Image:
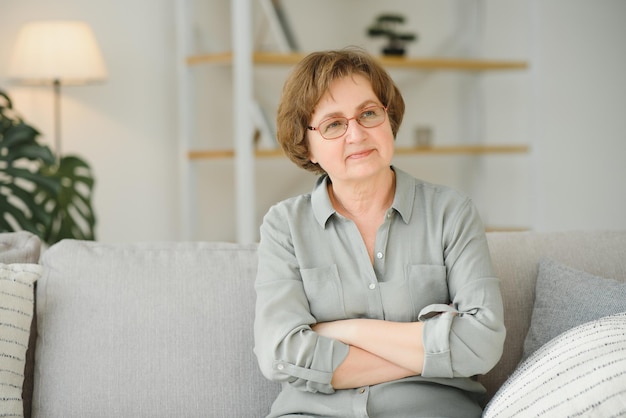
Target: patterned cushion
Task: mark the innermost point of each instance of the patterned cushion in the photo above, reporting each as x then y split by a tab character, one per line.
582	372
16	313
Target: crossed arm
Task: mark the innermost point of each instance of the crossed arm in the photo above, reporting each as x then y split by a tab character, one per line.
380	351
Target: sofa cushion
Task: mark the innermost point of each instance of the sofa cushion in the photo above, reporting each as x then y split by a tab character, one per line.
566	297
516	256
16	314
582	372
148	330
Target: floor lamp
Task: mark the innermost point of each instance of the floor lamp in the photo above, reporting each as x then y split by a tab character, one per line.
57	53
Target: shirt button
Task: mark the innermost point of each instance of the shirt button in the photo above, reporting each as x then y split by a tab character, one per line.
280	367
362	390
379	255
372	286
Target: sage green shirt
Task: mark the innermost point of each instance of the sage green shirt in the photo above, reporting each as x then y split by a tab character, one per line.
431	263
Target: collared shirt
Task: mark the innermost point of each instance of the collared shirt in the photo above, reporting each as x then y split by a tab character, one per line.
431	263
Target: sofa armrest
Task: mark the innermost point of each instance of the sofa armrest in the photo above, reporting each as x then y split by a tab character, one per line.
19	247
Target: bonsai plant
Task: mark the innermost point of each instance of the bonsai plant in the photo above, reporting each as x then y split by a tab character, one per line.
386	26
46	194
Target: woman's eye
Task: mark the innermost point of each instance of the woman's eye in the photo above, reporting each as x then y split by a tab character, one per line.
333	124
368	114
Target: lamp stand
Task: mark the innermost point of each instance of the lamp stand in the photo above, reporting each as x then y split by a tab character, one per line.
57	117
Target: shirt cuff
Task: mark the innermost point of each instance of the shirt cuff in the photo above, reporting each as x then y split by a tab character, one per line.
436	337
317	380
312	379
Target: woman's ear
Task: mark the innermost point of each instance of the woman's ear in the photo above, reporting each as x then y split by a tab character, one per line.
312	157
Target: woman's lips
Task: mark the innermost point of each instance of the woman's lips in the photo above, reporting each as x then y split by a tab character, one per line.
360	154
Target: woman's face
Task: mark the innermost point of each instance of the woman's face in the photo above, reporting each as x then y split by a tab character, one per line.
360	152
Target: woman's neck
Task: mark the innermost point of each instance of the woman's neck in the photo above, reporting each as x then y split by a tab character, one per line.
358	198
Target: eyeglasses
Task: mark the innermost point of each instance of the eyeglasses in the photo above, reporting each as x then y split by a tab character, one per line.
333	128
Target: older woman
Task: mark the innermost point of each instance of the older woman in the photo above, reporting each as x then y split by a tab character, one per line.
375	292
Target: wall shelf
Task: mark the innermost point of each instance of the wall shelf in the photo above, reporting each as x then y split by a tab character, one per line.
461	64
434	150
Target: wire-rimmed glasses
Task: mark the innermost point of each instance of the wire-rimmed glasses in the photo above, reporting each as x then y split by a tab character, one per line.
333	128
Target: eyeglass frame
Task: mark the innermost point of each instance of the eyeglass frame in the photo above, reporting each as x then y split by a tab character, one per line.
356	118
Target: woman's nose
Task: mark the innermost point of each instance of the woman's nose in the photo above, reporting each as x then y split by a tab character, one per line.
354	132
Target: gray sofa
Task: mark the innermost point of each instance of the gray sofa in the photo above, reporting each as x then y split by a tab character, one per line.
164	329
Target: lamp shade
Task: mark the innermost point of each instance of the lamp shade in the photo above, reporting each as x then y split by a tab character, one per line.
63	51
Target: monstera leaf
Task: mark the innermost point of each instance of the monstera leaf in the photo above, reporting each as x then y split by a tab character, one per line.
71	211
20	180
39	193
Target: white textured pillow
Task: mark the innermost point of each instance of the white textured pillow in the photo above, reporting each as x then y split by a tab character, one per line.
16	313
582	372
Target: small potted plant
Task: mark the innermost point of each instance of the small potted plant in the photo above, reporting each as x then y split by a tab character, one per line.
48	195
386	25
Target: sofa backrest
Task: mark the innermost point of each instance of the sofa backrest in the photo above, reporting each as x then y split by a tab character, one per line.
148	330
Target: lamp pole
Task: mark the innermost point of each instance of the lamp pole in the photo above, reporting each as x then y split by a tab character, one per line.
57	117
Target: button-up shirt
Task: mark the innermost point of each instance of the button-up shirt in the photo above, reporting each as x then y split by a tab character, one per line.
431	263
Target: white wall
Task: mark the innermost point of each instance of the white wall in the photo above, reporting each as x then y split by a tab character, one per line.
126	127
581	111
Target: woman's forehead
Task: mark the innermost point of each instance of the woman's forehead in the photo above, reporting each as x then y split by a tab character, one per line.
347	93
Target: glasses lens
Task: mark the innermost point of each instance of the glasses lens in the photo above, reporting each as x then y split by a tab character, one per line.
333	128
371	117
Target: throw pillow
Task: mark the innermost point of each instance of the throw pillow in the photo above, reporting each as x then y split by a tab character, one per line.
16	313
581	373
566	297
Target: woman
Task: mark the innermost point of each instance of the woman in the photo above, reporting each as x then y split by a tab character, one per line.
375	292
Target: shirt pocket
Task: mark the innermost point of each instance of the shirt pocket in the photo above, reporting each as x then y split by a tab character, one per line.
324	292
428	284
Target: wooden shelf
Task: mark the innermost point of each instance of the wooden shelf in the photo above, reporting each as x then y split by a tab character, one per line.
272	58
479	149
435	150
218	58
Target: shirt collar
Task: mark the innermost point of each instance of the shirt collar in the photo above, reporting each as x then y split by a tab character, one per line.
405	194
322	208
402	201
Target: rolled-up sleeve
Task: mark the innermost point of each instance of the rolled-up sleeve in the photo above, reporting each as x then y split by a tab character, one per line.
286	348
466	337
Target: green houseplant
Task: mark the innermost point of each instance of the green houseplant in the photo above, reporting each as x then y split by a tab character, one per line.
386	26
48	195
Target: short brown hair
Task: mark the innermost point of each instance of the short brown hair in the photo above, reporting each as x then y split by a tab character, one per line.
311	79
